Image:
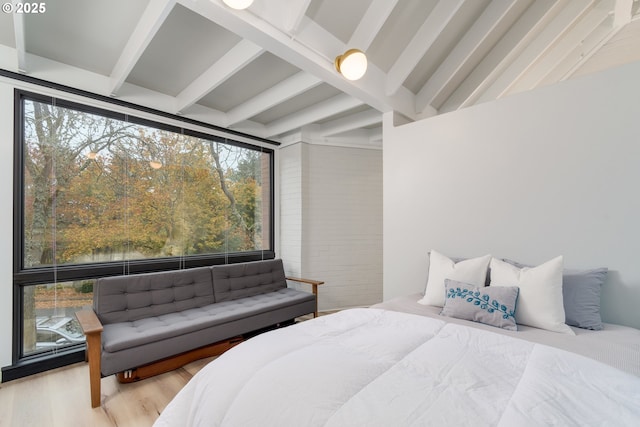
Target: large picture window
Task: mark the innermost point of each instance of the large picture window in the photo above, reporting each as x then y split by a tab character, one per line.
99	193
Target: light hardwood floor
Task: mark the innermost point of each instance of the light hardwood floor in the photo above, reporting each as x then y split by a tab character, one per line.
61	397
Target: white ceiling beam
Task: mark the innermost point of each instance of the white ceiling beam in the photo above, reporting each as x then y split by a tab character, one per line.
619	22
567	17
296	11
67	75
521	33
231	62
421	42
56	72
249	127
19	34
314	55
375	137
351	122
286	15
447	73
622	13
319	111
560	49
281	92
370	139
205	114
8	58
150	21
371	23
371	85
576	58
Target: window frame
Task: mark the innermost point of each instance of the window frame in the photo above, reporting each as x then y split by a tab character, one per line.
28	364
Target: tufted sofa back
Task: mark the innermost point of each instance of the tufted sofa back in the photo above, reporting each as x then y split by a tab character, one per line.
234	281
139	296
134	297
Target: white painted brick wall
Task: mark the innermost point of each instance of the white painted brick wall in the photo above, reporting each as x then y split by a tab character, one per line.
291	208
339	200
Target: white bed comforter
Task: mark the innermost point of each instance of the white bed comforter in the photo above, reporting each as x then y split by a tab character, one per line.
368	367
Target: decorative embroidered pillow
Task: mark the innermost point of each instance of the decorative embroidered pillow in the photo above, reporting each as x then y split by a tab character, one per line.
492	305
472	271
540	302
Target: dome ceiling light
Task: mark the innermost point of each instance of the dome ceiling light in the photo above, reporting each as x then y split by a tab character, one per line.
238	4
352	64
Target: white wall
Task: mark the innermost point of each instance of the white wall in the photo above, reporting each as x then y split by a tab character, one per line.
543	173
291	209
6	219
340	204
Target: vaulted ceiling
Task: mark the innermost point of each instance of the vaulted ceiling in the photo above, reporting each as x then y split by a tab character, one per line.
269	70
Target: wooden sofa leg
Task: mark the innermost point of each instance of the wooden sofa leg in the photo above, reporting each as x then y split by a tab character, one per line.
93	354
315	292
92	329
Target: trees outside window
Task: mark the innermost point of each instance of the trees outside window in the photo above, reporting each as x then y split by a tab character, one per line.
99	191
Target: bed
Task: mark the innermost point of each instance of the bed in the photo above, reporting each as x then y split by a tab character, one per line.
402	364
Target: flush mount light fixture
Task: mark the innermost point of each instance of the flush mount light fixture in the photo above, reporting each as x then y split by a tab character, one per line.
352	64
155	165
238	4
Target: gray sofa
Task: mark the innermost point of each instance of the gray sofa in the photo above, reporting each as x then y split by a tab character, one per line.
143	318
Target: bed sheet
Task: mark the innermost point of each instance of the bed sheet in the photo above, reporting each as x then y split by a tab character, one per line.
615	345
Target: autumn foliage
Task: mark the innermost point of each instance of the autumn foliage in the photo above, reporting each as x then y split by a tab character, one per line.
99	189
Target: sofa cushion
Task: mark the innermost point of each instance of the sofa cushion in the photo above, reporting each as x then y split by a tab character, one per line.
234	281
120	336
138	296
137	356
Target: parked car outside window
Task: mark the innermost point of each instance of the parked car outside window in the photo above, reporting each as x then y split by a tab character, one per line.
57	331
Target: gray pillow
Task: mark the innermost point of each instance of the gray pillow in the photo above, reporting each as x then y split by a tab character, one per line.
495	306
580	295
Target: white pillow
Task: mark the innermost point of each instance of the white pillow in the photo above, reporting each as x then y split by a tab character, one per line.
472	271
540	300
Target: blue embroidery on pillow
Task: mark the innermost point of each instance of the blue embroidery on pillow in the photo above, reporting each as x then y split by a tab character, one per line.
481	300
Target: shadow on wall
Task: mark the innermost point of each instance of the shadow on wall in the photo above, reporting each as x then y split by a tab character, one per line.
620	301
